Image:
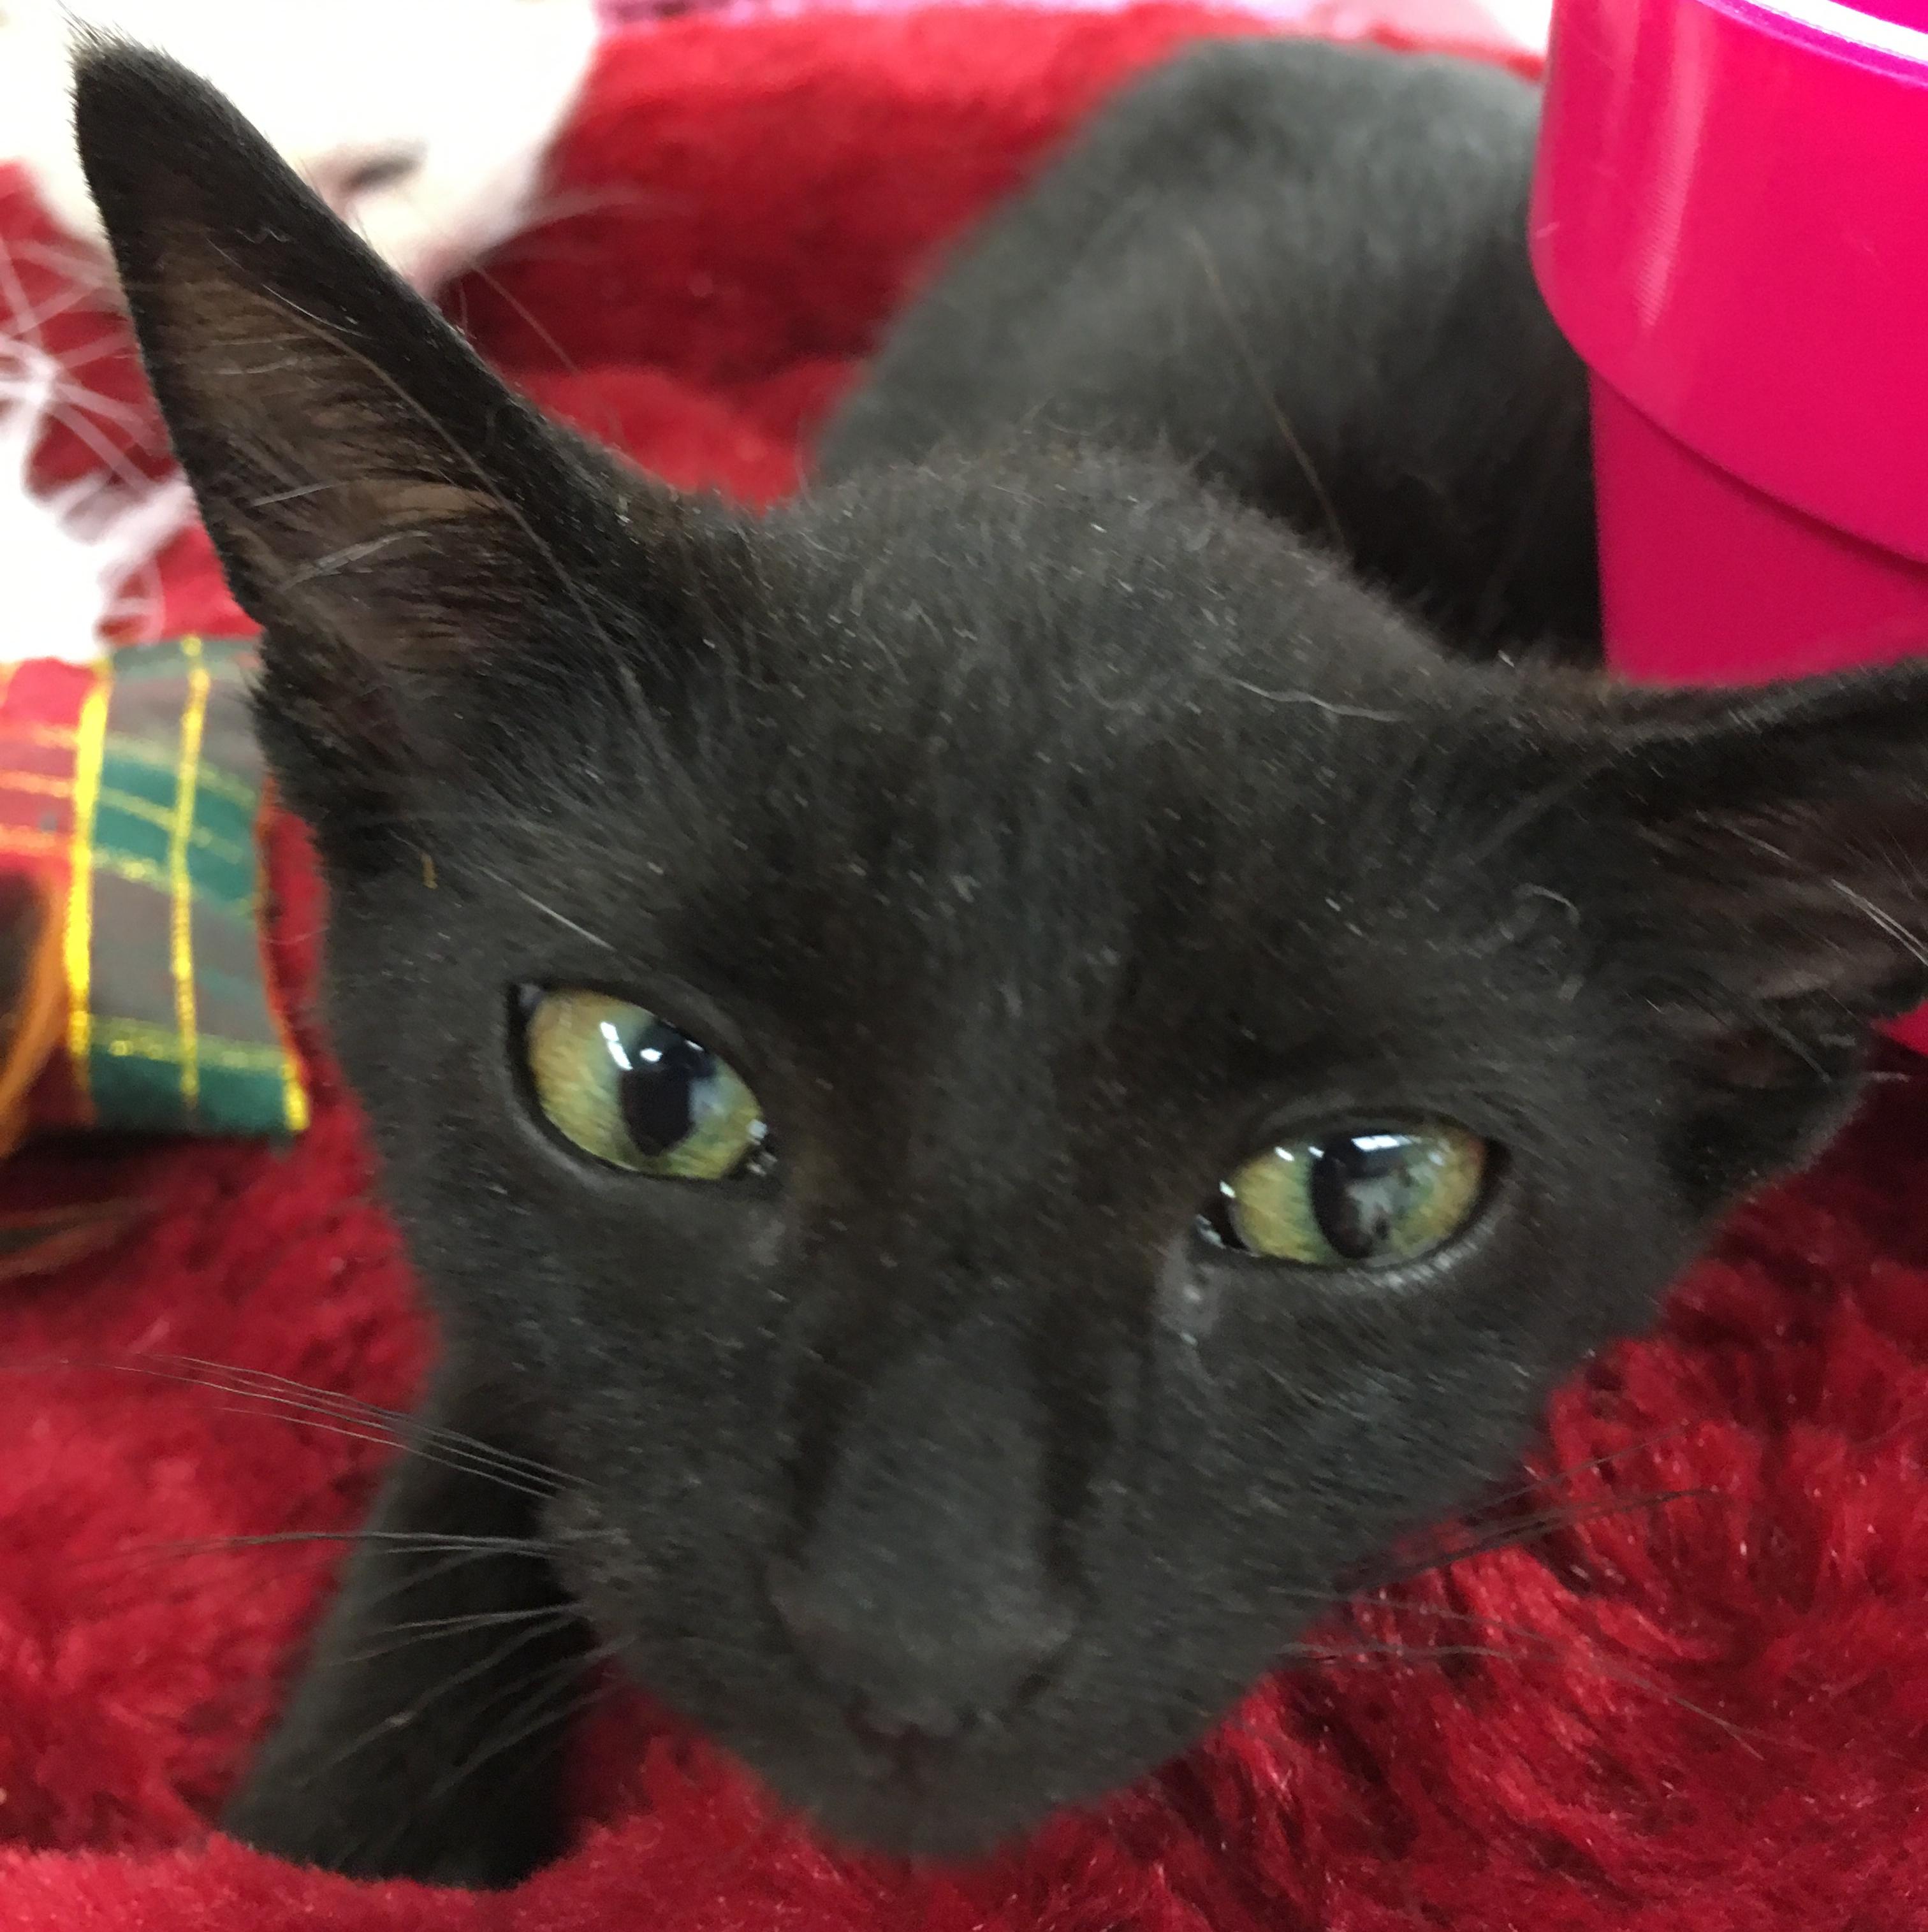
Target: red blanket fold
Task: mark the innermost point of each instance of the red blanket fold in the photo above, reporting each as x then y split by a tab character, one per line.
1695	1699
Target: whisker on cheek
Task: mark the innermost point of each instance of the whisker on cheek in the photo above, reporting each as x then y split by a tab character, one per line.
424	1630
544	1701
327	1411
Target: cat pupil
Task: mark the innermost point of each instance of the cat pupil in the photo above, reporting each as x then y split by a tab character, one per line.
1362	1187
661	1088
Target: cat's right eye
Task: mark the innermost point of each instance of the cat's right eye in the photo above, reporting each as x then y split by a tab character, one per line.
626	1087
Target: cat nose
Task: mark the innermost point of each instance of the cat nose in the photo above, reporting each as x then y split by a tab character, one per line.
907	1689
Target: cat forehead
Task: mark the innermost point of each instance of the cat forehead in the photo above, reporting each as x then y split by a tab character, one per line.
1120	594
997	725
995	666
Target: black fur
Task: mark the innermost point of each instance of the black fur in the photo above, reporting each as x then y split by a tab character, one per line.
1039	831
1302	270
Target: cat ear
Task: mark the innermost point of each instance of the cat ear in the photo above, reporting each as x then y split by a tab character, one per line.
1784	833
1761	857
389	511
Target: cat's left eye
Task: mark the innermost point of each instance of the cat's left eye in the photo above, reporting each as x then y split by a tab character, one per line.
627	1087
1365	1199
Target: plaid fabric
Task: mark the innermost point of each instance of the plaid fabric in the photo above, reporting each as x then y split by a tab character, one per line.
131	789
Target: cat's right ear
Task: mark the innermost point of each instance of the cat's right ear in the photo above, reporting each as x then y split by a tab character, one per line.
394	517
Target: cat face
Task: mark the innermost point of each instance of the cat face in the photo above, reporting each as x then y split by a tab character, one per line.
424	126
1010	1075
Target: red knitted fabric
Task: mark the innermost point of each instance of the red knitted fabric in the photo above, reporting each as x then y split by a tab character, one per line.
1702	1714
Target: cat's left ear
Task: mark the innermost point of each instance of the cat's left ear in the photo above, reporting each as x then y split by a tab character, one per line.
1757	866
394	517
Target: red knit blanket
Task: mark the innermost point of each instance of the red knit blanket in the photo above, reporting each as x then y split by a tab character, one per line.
1688	1691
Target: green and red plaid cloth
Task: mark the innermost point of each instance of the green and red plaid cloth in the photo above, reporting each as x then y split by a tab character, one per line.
130	792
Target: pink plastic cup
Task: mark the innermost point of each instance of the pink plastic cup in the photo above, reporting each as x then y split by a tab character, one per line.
1730	222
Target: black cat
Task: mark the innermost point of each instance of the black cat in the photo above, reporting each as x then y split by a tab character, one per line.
1001	1074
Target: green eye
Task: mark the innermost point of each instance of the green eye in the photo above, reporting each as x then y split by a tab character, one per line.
630	1089
1353	1200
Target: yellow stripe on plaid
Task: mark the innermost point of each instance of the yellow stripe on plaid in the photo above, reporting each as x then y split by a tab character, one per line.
29	844
181	934
138	1039
230	850
295	1110
90	742
38	783
202	840
218	783
137	751
60	737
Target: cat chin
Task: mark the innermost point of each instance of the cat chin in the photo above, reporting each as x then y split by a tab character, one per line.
977	1799
995	1788
1081	1740
976	1803
933	1827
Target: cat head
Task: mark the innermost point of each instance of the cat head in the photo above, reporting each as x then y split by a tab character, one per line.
425	125
1008	1074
